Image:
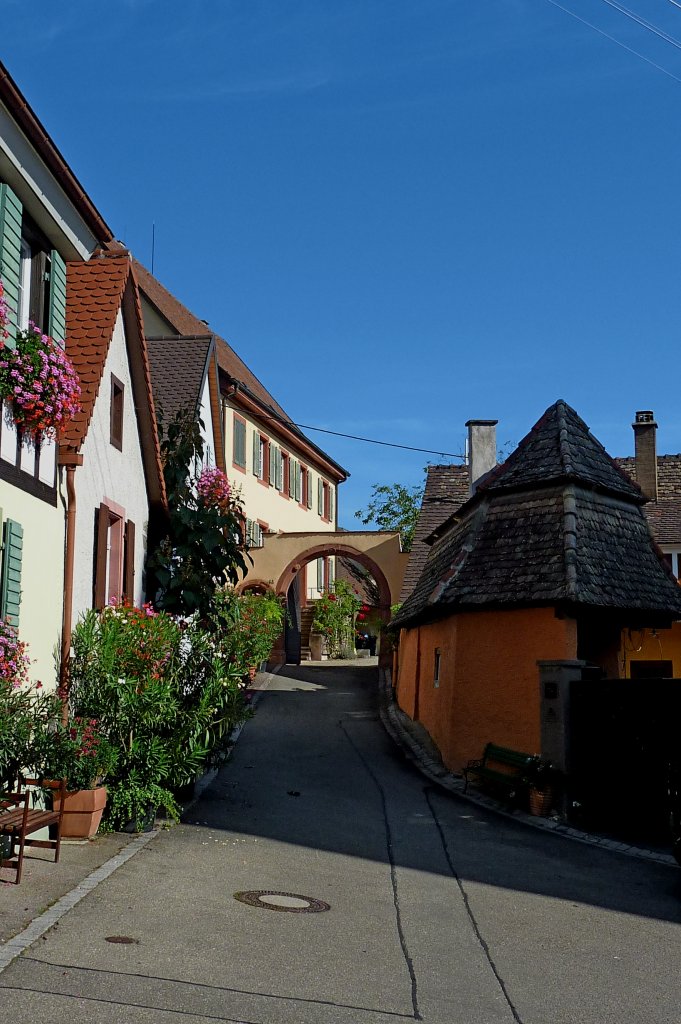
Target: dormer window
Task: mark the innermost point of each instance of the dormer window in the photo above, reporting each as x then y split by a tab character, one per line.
117	400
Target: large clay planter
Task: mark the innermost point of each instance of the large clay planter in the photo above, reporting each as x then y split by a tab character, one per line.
540	801
82	812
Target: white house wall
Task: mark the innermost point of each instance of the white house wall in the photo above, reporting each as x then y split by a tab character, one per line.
207	419
109	473
42	577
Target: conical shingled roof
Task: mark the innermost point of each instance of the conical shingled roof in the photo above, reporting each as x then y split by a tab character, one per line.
560	446
557	524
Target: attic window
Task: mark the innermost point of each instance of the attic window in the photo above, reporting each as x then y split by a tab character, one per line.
117	398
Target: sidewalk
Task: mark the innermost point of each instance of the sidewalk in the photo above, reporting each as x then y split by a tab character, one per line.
83	864
417	746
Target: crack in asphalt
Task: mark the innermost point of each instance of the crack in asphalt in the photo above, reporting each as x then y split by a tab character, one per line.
469	910
393	872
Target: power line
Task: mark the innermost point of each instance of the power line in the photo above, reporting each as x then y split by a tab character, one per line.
674	2
601	32
367	440
643	22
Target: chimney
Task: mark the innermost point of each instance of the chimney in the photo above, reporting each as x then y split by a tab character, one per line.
482	450
645	448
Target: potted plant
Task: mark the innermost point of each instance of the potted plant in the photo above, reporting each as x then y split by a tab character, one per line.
540	778
38	381
84	757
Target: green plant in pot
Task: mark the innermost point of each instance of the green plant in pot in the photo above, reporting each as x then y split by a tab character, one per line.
85	758
541	779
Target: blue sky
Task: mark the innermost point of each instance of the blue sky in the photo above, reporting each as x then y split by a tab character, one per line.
402	215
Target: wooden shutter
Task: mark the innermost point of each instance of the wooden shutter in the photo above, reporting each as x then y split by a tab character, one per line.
331	502
10	584
297	481
320	574
10	256
249	533
273	464
331	568
101	555
256	454
278	469
56	324
292	477
320	496
309	488
240	443
129	562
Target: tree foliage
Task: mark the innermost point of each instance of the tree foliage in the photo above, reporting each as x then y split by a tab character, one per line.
394	507
201	547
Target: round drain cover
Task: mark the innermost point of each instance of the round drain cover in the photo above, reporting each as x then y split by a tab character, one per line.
292	902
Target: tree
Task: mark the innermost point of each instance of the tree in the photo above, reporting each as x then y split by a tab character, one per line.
394	507
202	544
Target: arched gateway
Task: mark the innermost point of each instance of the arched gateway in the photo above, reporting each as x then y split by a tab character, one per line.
283	555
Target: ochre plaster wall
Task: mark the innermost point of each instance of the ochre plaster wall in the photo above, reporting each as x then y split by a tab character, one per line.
651	645
489	681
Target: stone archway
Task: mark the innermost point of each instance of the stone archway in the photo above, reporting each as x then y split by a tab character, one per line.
282	556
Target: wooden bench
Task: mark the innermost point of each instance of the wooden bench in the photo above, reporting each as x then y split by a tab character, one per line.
502	768
19	820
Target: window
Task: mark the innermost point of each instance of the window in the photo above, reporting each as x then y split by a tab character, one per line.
117	399
673	560
305	498
254	533
33	273
114	555
239	443
436	671
261	457
320	496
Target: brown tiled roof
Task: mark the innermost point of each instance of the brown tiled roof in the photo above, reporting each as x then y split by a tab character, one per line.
178	370
557	524
445	492
95	291
185	323
663	515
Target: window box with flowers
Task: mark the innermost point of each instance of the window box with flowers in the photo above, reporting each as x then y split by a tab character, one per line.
37	380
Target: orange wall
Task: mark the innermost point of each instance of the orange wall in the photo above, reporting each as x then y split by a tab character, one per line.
644	645
489	680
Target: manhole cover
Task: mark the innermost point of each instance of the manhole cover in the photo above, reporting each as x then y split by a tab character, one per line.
292	902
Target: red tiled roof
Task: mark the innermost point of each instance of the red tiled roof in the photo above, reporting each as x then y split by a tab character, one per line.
95	291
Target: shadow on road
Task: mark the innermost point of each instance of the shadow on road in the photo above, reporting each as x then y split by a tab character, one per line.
316	769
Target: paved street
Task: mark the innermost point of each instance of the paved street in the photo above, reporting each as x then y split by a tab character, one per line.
438	911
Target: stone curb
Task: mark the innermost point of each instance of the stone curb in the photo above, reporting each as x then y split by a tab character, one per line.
439	776
15	946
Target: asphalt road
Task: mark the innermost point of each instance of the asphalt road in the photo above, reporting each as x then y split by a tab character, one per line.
438	911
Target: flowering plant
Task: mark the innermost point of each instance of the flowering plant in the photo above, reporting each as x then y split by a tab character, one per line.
335	616
14	659
83	755
213	488
38	379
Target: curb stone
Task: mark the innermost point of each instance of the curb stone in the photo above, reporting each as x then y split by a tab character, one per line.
439	776
19	943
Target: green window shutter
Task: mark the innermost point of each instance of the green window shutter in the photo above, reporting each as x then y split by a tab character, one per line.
331	500
278	469
239	452
256	454
298	481
10	255
309	488
320	496
331	572
56	326
273	464
291	477
320	574
249	533
10	584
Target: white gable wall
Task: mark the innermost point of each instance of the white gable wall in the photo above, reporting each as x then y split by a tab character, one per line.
108	473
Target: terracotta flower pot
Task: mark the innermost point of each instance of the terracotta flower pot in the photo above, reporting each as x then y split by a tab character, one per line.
540	801
82	812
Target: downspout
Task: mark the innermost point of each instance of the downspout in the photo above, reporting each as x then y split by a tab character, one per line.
70	460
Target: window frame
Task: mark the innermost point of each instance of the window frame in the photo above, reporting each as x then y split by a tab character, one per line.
116	412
